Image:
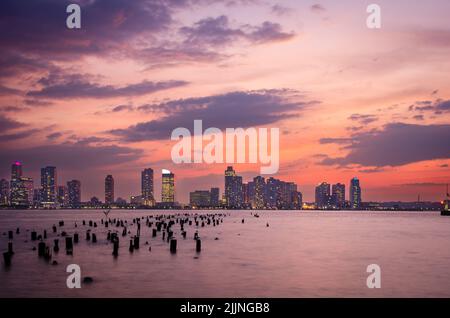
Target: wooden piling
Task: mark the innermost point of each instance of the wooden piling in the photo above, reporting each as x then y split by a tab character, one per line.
33	236
75	238
136	242
173	245
41	249
7	258
10	248
10	235
69	245
56	246
94	238
198	245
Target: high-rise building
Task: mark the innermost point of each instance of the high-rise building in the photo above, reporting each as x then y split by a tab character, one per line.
260	193
16	170
21	188
109	190
338	194
148	198
49	186
233	189
355	194
323	197
74	193
4	192
168	187
200	199
63	196
215	197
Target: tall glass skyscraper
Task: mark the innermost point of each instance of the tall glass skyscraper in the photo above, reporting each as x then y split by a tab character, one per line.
355	194
4	192
168	187
148	198
109	189
49	186
233	189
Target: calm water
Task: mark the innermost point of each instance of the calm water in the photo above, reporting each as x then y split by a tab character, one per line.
301	254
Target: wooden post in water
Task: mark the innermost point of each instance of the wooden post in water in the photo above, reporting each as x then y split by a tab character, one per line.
198	245
7	258
154	233
10	235
41	249
136	242
10	248
69	245
173	246
33	236
94	238
75	238
116	246
56	246
131	249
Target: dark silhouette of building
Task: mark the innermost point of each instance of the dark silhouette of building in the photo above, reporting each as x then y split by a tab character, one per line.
109	190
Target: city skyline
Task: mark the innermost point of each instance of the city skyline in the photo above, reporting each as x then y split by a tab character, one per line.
364	102
256	193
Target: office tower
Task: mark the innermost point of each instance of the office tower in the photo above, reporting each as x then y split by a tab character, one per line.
200	199
109	190
148	198
74	194
233	189
260	192
63	196
16	170
215	197
355	194
49	186
323	198
338	194
168	187
21	188
4	192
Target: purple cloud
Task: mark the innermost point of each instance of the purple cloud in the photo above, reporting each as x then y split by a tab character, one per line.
397	144
235	109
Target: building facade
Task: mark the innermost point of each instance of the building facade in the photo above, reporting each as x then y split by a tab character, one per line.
148	198
109	190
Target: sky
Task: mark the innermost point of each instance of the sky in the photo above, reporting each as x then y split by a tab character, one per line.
348	100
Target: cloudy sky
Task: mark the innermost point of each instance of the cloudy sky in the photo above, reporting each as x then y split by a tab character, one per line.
348	100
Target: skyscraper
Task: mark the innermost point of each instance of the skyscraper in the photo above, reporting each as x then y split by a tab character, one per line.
63	196
233	189
148	198
49	186
260	193
355	194
109	190
323	198
4	192
168	187
74	193
21	188
215	197
338	195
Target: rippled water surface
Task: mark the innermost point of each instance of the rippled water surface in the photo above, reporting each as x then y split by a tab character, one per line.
300	254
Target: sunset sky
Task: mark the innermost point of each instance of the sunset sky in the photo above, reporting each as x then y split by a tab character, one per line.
348	100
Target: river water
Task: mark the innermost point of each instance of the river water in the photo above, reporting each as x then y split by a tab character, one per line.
300	254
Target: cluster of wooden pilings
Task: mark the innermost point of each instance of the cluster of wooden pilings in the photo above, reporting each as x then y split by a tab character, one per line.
162	225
